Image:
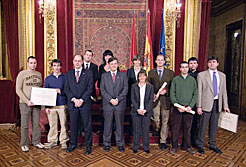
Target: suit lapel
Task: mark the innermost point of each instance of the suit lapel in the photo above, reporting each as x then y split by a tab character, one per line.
133	73
208	78
117	80
146	92
137	91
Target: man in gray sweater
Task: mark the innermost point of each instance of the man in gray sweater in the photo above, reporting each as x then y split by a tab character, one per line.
25	80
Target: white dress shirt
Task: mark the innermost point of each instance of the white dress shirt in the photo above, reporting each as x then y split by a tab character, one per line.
142	94
136	73
113	72
211	72
75	70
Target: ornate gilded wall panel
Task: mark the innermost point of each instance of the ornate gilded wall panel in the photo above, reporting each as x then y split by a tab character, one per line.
170	32
50	35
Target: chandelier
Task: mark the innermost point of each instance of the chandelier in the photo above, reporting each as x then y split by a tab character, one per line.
173	10
46	8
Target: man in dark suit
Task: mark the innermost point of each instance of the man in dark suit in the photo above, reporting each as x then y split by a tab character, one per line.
212	97
114	88
78	89
161	106
88	65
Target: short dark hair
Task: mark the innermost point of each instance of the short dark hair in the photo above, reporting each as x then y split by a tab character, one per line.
88	50
56	61
161	55
183	62
213	58
78	55
192	59
142	71
112	59
105	53
31	57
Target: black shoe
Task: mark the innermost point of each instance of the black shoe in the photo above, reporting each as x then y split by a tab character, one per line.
135	151
106	148
215	149
88	151
200	150
155	134
71	148
121	148
193	145
163	146
147	151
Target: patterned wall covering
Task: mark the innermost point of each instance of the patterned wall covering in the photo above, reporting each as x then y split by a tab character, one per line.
107	24
217	34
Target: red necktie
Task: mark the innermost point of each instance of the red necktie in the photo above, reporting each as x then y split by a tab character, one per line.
113	77
77	76
86	67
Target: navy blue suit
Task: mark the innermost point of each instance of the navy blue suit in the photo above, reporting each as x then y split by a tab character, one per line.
81	90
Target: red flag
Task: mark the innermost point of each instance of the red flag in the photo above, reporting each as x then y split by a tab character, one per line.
133	41
148	53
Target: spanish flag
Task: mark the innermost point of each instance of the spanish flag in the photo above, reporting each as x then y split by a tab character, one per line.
148	53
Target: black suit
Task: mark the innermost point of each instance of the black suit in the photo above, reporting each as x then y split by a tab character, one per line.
110	90
94	68
141	123
81	90
131	80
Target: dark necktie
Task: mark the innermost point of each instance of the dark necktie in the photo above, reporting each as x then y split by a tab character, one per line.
113	77
77	76
215	87
159	74
87	67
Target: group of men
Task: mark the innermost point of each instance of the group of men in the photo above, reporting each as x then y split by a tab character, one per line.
76	92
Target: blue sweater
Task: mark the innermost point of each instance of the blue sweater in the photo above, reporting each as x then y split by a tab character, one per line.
57	83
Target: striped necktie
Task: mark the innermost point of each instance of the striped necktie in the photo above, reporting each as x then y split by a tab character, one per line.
77	76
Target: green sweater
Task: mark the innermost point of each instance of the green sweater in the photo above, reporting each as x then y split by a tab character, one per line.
184	91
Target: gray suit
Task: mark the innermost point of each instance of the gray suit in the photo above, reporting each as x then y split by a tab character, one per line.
110	90
210	107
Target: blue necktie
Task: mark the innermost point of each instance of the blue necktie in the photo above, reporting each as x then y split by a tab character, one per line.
160	74
215	87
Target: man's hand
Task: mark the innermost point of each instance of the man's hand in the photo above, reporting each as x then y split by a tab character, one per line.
77	102
155	97
227	110
188	109
144	111
47	110
114	102
199	111
163	91
30	103
58	91
181	110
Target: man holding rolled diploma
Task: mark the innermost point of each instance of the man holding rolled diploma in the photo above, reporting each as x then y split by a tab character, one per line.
161	106
183	94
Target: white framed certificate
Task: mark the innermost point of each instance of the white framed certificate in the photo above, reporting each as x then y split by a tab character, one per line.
228	121
43	96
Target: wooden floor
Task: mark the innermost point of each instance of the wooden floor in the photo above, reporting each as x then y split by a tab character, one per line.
232	145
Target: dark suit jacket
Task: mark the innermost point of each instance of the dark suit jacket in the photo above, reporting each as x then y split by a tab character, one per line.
110	90
131	80
94	68
148	99
153	78
81	90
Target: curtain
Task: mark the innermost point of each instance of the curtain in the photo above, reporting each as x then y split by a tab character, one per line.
65	33
204	34
9	100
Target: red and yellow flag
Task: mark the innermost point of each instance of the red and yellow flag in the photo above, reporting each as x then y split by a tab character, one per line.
133	41
148	53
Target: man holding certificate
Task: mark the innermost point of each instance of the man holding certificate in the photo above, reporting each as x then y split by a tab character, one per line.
78	88
184	93
212	97
161	106
56	81
25	80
